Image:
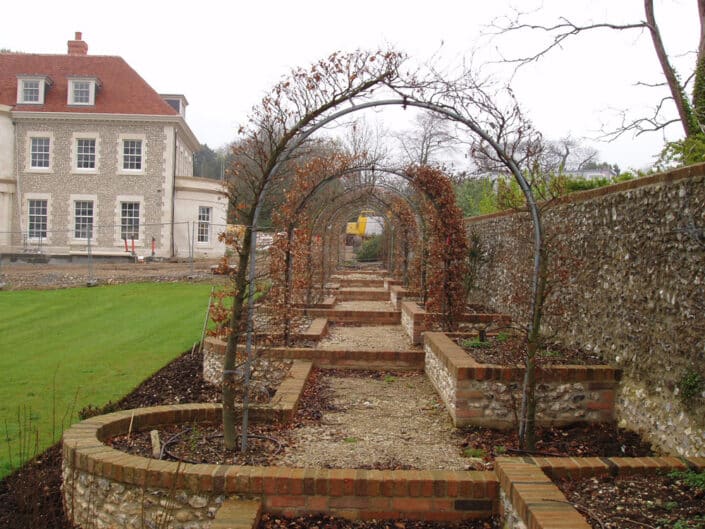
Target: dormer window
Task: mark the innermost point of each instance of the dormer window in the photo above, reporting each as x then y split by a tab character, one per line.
82	91
177	102
31	90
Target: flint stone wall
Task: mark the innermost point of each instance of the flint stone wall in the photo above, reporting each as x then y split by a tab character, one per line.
488	395
627	279
99	502
510	516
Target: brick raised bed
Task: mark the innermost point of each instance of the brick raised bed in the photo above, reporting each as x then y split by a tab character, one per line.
397	294
530	499
105	488
485	394
415	320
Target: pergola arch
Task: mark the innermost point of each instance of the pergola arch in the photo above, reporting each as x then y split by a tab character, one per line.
344	203
310	112
418	216
296	140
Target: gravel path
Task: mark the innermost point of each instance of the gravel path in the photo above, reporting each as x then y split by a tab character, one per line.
396	421
367	338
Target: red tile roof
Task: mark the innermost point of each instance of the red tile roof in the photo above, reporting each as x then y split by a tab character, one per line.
122	89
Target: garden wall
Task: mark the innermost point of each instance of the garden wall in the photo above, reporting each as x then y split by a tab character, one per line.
106	488
488	395
627	279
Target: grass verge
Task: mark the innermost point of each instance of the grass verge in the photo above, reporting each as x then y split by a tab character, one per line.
61	350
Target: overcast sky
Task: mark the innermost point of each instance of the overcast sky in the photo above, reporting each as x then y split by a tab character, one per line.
224	56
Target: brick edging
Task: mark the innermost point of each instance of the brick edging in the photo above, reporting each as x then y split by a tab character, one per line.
465	367
527	483
336	358
352	493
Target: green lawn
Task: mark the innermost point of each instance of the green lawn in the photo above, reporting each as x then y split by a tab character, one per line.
88	345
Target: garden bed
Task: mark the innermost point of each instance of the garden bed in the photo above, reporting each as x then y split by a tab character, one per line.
662	500
482	394
270	521
416	320
575	440
510	350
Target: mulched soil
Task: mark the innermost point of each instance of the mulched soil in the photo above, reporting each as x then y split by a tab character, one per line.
203	443
31	497
510	350
578	440
637	502
269	521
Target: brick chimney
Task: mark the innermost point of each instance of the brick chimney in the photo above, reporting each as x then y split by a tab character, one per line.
77	46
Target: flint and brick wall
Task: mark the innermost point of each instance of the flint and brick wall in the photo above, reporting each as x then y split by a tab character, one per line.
530	499
397	294
627	280
100	479
487	395
415	321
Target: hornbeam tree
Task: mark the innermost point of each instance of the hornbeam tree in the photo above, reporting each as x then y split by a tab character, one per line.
261	156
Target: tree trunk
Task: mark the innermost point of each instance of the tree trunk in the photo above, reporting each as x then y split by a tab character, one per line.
288	284
685	111
527	426
699	81
233	339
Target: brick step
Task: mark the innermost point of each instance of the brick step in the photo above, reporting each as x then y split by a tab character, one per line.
361	317
370	283
359	294
317	330
327	358
238	514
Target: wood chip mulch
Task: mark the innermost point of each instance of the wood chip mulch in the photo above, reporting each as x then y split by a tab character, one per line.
662	501
270	521
578	440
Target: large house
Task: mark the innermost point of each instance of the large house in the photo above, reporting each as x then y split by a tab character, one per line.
93	159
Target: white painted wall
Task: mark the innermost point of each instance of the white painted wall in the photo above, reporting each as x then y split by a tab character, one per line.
7	174
190	194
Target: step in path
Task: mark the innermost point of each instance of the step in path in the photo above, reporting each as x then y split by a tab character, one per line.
367	338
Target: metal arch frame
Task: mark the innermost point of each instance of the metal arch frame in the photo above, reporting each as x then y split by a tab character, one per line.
404	101
331	178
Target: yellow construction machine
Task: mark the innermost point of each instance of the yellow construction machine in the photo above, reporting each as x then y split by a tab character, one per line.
367	224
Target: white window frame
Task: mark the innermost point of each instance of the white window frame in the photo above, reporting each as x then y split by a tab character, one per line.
127	222
73	85
75	154
119	200
122	138
29	197
41	90
31	135
85	229
203	226
71	217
